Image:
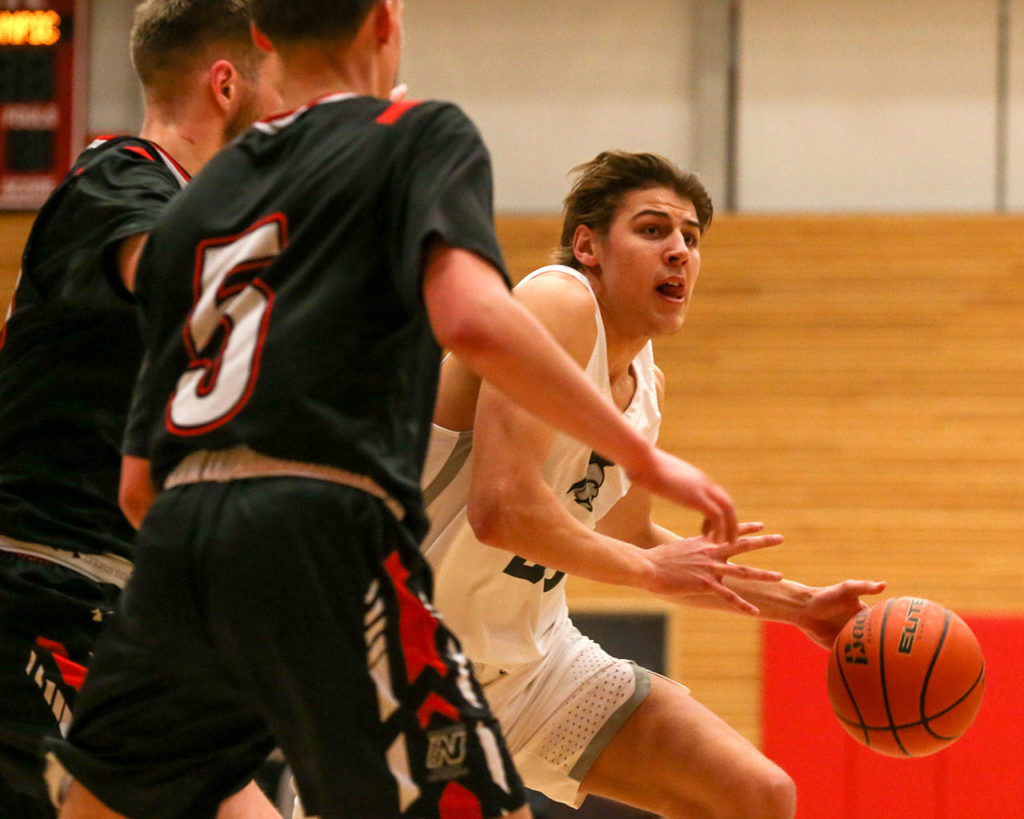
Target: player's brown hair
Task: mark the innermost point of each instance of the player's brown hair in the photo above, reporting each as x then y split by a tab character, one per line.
601	184
291	20
168	35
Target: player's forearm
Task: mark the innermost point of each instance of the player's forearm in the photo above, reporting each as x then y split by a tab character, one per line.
535	527
136	491
782	602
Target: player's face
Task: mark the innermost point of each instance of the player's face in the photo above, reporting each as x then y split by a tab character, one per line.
648	263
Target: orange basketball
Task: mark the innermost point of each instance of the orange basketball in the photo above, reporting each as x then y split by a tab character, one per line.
906	677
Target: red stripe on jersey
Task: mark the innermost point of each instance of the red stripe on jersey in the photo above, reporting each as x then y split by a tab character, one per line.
459	803
436	704
72	672
393	112
417	625
174	162
135	149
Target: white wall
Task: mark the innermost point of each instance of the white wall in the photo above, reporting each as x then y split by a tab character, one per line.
844	105
867	105
1015	147
115	99
552	83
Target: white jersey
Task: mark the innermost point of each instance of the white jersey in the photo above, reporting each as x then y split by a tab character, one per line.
504	609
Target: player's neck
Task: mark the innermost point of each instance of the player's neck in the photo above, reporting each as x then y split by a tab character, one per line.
311	76
622	349
190	144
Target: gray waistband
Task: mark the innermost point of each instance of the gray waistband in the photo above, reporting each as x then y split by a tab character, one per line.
101	568
240	462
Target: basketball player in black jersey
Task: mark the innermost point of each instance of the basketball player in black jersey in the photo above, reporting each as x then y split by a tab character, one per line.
296	298
69	352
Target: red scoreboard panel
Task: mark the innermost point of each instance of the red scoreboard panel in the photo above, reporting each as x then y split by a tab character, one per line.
42	96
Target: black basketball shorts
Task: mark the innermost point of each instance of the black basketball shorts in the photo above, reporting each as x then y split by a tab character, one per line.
294	612
49	618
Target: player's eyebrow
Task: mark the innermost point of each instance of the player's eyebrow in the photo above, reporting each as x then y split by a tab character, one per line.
662	214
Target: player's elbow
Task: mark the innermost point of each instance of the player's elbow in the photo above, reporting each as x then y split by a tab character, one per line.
468	334
490	519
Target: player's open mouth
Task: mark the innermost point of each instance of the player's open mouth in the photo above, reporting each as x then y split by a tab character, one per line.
673	290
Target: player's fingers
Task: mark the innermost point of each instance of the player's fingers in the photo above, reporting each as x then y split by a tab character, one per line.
720	522
749	527
859	587
752	544
727	511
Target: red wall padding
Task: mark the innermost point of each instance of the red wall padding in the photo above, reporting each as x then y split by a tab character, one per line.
981	776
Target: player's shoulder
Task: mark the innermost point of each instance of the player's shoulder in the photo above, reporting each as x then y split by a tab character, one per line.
114	156
561	287
431	119
562	300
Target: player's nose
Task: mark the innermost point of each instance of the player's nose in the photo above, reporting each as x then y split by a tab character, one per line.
676	249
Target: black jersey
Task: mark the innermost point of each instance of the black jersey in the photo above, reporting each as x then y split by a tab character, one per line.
70	350
282	291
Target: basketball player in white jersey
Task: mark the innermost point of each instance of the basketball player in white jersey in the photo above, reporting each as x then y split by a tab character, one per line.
515	506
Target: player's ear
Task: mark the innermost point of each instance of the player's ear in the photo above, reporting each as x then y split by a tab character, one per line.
223	79
583	246
386	20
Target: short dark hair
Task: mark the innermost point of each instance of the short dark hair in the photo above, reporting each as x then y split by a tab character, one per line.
601	184
167	36
296	20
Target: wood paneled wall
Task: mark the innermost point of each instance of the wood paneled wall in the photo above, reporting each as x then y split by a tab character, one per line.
14	228
857	383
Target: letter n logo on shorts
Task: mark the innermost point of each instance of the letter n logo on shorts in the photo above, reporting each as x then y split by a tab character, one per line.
446	752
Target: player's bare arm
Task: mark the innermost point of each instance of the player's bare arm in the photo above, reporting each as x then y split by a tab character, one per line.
512	507
136	491
473	315
129	251
819	611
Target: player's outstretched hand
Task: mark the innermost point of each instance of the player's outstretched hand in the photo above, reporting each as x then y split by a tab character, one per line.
697	565
683	483
829	608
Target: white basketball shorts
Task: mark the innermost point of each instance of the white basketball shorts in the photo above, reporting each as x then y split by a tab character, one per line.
559	713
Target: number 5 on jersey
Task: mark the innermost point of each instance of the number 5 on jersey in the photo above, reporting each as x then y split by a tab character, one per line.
225	331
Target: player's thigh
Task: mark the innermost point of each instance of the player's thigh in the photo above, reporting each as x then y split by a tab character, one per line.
673	751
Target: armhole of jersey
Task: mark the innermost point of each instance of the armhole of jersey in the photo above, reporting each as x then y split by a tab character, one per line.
600	342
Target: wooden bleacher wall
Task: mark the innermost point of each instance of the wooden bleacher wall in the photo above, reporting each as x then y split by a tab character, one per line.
856	382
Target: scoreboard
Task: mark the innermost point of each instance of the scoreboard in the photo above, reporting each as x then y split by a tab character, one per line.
42	76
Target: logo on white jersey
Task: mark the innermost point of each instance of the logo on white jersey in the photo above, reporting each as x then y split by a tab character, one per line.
585	491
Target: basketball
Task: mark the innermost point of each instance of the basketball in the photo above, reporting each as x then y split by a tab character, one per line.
906	677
